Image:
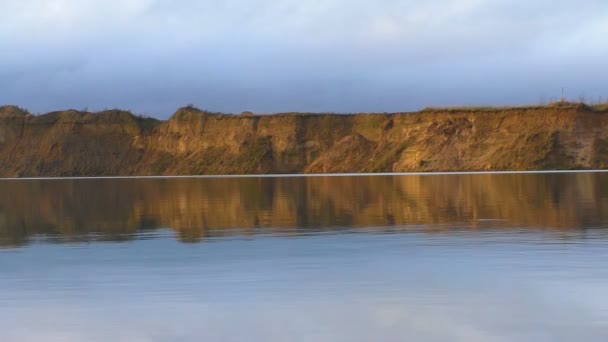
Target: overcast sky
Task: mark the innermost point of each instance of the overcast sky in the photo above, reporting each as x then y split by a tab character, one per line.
152	56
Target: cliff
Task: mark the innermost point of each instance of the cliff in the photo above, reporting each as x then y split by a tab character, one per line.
108	143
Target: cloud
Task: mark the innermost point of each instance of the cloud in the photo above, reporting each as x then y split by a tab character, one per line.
464	317
266	55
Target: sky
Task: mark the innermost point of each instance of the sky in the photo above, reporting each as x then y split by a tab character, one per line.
153	56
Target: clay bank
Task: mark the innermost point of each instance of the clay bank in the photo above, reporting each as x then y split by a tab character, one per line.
196	142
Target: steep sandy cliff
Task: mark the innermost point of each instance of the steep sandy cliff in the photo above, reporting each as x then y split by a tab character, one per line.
72	143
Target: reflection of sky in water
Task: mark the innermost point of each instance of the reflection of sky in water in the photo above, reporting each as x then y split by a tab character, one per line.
484	286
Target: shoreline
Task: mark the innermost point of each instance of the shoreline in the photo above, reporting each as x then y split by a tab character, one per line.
300	175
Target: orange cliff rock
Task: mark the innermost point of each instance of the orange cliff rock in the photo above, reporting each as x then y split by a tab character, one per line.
192	142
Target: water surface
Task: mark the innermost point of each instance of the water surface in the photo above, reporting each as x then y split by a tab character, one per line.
492	257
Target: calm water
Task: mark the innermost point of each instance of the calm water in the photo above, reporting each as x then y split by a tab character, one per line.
496	257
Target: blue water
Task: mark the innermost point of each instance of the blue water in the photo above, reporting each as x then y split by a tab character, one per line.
526	265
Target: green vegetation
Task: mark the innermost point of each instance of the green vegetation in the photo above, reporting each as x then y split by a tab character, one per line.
603	106
253	155
600	148
384	162
600	107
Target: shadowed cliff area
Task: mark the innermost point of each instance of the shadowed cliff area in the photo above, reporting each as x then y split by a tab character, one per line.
72	210
193	142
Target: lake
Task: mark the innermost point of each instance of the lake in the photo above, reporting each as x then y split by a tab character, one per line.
452	257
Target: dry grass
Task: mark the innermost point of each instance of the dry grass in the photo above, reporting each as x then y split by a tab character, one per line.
551	105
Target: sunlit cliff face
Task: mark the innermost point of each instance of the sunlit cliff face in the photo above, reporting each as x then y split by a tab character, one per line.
81	210
195	142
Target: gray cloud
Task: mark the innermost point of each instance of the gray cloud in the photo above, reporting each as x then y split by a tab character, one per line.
334	55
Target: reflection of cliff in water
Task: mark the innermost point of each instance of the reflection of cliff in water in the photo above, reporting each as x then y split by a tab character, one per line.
196	208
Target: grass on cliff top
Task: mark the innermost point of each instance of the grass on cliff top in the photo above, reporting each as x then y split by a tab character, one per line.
190	110
598	107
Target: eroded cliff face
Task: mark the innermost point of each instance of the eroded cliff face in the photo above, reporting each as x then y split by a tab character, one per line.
72	143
